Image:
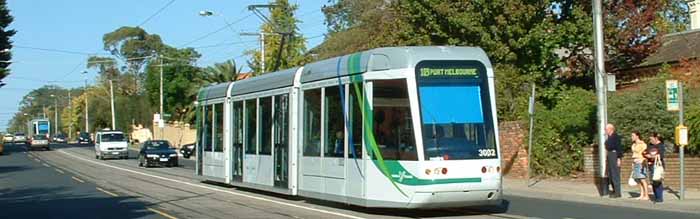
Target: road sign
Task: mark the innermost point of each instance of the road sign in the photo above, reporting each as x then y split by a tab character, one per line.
672	98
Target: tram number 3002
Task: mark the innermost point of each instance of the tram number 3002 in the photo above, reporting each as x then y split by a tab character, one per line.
487	152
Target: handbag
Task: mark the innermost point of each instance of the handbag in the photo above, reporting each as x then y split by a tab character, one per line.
631	181
658	169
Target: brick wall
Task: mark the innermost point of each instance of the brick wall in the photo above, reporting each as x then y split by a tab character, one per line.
672	169
513	136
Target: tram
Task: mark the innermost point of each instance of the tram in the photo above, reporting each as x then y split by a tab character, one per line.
397	127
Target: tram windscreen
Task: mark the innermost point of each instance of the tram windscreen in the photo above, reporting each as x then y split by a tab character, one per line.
455	110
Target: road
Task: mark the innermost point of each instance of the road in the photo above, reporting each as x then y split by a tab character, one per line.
32	181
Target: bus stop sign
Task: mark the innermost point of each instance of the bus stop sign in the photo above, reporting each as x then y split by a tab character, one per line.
672	98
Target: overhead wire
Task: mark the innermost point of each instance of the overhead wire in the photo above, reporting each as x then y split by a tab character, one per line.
216	31
156	13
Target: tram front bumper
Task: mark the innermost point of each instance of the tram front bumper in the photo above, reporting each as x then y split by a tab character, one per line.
450	199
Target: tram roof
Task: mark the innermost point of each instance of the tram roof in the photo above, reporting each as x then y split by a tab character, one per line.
388	58
268	81
213	91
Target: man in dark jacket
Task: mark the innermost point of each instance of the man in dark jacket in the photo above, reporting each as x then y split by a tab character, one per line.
614	148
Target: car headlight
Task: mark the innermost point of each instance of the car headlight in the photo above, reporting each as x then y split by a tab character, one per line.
152	155
173	155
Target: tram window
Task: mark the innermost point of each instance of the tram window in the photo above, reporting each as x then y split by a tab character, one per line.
238	123
207	129
334	124
266	125
281	120
355	104
250	126
219	127
312	123
393	129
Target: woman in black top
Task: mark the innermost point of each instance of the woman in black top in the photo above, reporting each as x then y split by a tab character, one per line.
656	147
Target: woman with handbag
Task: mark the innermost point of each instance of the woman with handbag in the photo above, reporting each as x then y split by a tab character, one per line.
655	160
639	164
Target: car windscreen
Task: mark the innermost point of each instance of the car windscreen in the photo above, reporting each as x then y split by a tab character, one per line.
112	137
39	137
19	134
157	145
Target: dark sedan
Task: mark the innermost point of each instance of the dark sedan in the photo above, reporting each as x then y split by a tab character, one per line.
187	150
157	153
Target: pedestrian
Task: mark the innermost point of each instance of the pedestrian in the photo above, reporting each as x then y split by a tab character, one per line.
639	165
614	148
656	148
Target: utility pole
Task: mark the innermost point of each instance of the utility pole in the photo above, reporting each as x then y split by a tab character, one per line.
55	116
85	93
262	48
600	85
111	94
70	107
161	97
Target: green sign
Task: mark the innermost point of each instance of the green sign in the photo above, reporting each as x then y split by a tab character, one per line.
672	97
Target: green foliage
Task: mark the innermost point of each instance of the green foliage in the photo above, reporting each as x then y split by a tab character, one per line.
5	35
561	132
692	121
512	91
642	110
133	45
181	81
285	47
221	72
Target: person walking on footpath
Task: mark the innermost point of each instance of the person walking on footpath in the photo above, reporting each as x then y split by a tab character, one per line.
614	148
656	148
639	165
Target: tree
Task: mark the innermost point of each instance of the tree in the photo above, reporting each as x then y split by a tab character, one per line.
221	72
181	81
5	42
285	47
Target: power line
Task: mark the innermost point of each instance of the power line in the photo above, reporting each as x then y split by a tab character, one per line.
54	50
225	44
156	13
216	31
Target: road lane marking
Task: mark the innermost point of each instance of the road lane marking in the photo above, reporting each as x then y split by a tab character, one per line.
37	160
79	180
107	192
217	189
60	171
162	213
46	165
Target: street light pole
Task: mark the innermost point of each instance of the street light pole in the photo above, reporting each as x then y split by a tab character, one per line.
70	107
600	86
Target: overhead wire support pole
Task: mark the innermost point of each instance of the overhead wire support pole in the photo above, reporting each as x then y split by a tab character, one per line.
600	86
111	94
161	98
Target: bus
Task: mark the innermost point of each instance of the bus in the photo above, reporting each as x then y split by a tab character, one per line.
39	127
398	127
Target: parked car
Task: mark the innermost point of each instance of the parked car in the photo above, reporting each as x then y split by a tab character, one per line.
20	138
59	138
7	138
84	138
2	148
187	150
157	153
111	144
39	141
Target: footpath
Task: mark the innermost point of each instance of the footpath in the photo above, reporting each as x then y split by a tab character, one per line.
575	191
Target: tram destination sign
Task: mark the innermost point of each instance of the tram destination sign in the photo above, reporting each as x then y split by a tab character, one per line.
432	72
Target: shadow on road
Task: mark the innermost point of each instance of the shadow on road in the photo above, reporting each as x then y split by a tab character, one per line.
58	202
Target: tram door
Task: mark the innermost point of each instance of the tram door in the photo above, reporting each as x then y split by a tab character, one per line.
334	141
355	168
281	141
237	139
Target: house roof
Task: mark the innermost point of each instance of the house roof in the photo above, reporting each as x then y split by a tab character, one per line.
675	47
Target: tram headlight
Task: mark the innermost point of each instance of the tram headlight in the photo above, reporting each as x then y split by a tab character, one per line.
427	171
483	169
444	171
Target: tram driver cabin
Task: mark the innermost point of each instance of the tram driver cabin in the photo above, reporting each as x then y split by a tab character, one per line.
399	127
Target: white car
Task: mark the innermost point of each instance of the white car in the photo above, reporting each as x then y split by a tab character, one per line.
39	141
8	138
111	144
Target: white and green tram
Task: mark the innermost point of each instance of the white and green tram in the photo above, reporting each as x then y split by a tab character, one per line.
400	127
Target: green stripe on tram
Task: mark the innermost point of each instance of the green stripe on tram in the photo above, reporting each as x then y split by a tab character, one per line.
392	169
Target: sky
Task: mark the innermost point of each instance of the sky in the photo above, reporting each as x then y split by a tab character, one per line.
55	38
